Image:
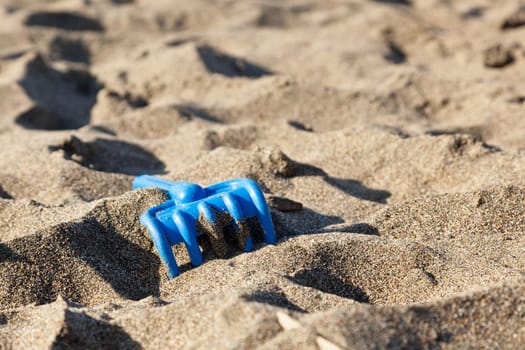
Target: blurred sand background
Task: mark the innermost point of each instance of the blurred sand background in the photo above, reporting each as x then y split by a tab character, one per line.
398	125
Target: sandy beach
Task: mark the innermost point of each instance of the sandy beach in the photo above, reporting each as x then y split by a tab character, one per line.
388	137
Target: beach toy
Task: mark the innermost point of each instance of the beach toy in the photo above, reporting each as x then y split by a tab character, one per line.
194	210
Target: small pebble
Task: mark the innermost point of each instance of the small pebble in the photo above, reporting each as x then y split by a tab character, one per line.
284	204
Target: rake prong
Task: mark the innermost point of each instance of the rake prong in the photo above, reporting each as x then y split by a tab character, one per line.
239	220
263	213
211	226
188	233
161	243
248	246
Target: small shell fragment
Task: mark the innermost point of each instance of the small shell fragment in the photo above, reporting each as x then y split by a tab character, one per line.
325	344
287	322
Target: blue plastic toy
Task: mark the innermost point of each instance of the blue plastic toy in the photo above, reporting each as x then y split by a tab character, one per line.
193	210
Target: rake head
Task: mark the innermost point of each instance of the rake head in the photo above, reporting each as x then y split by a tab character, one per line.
194	210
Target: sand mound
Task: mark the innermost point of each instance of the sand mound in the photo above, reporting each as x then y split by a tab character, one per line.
98	257
461	322
321	268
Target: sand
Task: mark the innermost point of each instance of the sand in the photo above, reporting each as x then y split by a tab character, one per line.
387	137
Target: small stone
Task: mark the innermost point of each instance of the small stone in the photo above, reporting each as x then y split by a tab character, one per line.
433	334
276	161
497	57
4	194
284	204
478	200
515	20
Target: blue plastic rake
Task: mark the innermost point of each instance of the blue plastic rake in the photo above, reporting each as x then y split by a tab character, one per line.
193	210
